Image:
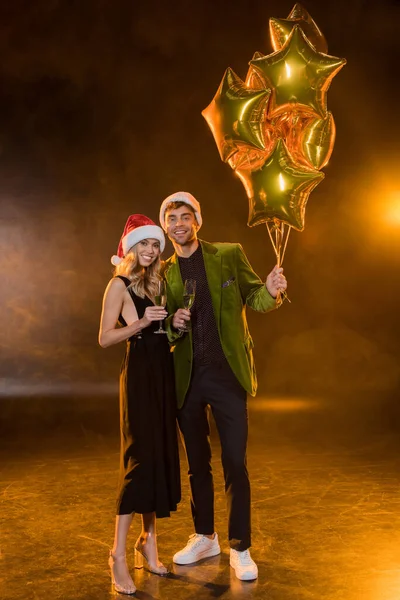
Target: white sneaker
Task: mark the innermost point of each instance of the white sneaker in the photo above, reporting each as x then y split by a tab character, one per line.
244	565
199	546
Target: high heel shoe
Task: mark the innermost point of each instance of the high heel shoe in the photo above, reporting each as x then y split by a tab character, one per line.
128	590
141	556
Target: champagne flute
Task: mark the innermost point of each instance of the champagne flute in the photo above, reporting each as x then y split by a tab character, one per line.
189	292
160	299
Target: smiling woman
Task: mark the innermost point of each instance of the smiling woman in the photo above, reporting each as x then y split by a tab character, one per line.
149	473
145	255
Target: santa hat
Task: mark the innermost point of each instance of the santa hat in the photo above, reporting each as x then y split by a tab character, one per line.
181	197
137	228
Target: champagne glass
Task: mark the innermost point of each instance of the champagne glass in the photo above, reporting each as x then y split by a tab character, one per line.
160	299
189	292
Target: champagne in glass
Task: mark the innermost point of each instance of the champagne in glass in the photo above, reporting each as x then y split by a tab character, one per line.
160	299
189	292
188	300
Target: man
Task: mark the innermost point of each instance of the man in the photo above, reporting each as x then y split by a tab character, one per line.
214	367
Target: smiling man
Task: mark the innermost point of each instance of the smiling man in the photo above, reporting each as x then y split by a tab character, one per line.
214	368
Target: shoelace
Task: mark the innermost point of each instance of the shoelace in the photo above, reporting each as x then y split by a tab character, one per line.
194	540
245	558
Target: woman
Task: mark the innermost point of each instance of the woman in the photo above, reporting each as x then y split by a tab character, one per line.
149	472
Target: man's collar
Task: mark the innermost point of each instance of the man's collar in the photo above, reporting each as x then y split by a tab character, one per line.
205	246
194	254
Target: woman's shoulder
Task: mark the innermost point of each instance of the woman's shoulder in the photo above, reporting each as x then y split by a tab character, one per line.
117	285
121	279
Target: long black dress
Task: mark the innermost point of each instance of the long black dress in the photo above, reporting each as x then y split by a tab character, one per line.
149	469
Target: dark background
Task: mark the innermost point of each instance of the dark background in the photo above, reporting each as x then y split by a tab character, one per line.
100	117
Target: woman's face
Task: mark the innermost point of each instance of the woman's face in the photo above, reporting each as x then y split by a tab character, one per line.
147	251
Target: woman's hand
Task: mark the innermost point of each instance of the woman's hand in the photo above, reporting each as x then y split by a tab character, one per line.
153	313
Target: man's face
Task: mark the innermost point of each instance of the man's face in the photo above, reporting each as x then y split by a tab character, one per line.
181	225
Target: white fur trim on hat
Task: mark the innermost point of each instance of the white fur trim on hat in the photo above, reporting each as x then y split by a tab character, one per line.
116	260
181	197
143	233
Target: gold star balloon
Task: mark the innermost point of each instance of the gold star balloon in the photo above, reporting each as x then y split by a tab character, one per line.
274	129
298	76
316	142
254	80
280	29
237	114
248	158
279	190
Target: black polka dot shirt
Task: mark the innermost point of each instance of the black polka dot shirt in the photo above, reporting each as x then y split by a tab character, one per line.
206	343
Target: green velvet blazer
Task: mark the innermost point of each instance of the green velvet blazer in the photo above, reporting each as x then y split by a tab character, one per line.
233	285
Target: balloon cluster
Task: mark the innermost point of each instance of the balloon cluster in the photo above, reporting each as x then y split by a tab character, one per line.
274	129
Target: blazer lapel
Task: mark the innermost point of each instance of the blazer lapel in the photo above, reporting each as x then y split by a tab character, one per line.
212	263
174	280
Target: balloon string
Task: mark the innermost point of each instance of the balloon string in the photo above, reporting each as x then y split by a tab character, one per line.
278	238
282	255
286	240
279	229
271	238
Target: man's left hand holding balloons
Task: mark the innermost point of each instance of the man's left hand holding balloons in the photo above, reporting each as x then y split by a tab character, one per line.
276	282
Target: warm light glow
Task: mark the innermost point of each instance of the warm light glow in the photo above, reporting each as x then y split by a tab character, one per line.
382	208
284	404
288	70
392	209
281	182
379	211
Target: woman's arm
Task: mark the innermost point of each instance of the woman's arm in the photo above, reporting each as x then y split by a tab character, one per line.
113	301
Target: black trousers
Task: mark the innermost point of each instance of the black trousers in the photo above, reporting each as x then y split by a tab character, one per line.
215	386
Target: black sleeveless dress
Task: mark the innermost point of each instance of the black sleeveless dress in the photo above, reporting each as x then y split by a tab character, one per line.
149	469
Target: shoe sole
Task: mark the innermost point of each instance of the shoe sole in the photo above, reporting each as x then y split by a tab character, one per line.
192	562
245	576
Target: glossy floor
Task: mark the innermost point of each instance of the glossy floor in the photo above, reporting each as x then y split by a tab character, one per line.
325	510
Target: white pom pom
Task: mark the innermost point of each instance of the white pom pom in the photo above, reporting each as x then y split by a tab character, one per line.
116	260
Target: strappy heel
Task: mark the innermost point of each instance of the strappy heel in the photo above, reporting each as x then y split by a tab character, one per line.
141	557
129	590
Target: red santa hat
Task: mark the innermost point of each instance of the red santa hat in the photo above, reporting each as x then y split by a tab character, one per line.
137	228
181	197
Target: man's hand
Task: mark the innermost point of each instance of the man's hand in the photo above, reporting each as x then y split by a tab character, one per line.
180	317
276	281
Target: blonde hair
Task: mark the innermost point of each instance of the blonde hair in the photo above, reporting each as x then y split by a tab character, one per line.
144	280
